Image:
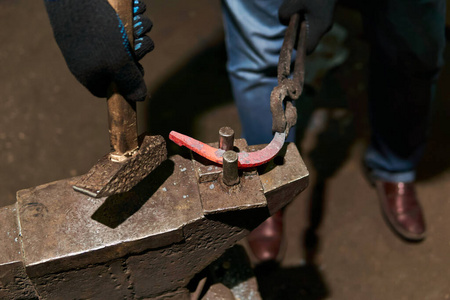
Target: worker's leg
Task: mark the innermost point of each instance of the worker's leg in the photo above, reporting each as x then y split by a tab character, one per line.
407	42
253	38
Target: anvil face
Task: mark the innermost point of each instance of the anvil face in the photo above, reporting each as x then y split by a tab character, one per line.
146	242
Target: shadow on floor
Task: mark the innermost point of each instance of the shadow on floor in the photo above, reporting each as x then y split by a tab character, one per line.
302	282
334	136
436	159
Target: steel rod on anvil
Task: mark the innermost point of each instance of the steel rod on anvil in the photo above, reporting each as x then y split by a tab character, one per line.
230	168
226	138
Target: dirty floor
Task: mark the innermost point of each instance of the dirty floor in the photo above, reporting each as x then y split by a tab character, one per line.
339	246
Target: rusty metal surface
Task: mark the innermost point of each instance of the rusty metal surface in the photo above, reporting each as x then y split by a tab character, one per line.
234	273
72	230
284	113
205	240
14	282
108	177
69	251
147	243
296	32
102	281
207	170
218	291
281	180
180	294
9	235
284	177
245	160
217	197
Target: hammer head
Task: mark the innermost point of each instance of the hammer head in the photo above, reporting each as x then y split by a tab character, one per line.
109	177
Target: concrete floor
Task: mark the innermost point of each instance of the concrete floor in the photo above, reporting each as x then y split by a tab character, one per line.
338	244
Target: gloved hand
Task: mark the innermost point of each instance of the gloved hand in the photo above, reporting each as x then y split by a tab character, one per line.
318	16
95	45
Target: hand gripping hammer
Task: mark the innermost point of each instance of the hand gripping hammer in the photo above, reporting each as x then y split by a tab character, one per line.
132	158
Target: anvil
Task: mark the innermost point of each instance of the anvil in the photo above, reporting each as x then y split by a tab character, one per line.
145	243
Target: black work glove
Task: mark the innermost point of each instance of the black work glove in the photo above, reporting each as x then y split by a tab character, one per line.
318	16
95	45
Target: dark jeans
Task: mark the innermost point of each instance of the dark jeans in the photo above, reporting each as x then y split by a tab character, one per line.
407	40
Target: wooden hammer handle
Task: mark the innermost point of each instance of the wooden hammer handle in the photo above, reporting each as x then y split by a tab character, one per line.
122	114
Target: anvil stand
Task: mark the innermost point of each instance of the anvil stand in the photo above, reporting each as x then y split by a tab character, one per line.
144	244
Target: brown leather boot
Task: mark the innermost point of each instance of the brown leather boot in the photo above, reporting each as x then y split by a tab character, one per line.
265	240
401	209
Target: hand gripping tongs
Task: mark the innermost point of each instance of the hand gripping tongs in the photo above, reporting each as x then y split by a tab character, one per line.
284	113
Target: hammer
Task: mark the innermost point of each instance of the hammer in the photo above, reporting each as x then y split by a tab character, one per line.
131	158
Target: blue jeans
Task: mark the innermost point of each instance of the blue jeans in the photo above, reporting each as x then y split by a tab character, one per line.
407	40
253	36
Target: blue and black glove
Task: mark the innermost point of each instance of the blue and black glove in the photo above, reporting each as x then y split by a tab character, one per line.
318	16
95	46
